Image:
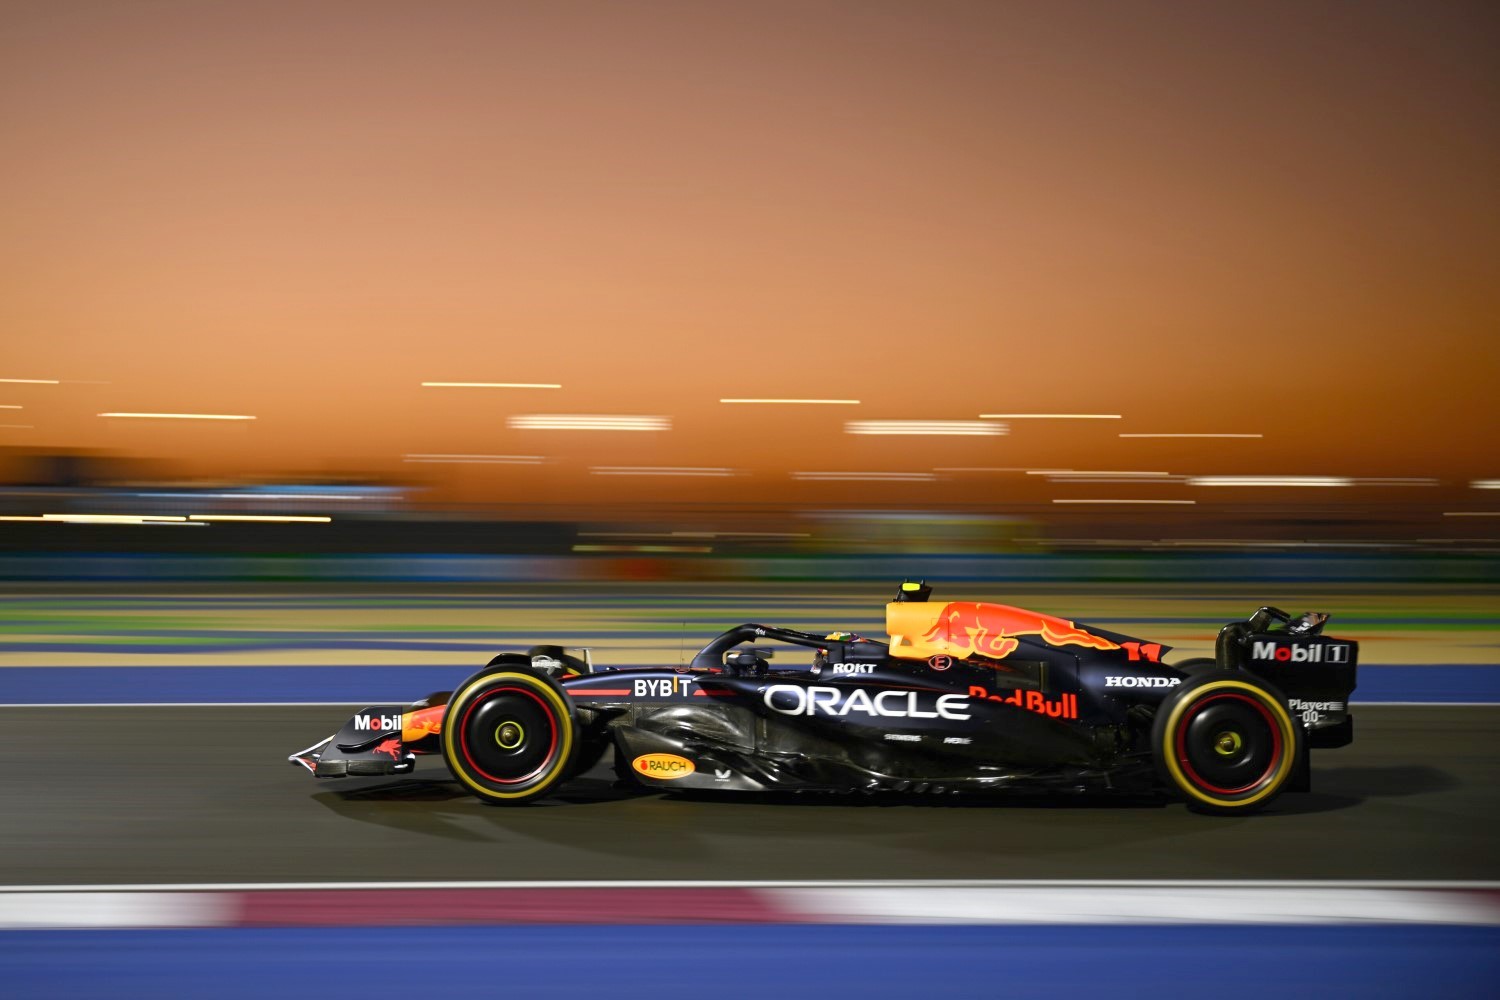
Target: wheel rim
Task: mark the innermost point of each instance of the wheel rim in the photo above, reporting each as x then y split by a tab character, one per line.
1229	745
508	735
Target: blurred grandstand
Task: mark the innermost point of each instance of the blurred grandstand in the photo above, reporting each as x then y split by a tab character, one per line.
65	511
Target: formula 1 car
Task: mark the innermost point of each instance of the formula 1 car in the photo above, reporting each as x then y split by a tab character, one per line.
959	697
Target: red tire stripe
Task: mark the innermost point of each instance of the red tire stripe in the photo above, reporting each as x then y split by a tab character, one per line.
1187	767
463	736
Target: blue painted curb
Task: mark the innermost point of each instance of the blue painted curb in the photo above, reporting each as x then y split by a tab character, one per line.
727	961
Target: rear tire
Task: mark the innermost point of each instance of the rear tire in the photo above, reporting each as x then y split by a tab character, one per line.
509	735
1226	742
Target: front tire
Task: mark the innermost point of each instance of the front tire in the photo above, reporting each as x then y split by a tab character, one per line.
509	735
1226	742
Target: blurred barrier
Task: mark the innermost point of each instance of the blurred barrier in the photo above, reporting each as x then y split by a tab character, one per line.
1311	567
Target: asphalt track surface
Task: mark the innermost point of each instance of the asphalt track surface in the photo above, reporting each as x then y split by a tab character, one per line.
198	793
202	794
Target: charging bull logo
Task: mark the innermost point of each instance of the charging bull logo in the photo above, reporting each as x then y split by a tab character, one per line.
422	723
991	629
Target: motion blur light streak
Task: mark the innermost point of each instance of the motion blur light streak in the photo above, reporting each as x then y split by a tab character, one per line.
250	495
1471	513
11	406
587	422
1270	481
1485	484
167	519
1309	481
1095	472
270	518
18	427
1147	480
112	518
657	470
1123	435
181	416
32	381
969	428
436	458
824	402
492	385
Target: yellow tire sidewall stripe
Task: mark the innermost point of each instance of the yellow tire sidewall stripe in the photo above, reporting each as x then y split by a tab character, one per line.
565	721
1283	720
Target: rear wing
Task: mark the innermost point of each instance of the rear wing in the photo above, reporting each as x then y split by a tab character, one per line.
1317	673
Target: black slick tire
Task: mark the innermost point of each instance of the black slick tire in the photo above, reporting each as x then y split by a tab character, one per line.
509	735
1226	742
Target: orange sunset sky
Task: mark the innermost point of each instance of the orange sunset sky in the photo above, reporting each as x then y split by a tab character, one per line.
1272	218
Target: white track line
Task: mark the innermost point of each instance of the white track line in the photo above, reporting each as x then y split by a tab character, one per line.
777	884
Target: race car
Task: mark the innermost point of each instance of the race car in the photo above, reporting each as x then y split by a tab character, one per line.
957	697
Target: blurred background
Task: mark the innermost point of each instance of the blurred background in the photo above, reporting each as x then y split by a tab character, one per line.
685	279
344	344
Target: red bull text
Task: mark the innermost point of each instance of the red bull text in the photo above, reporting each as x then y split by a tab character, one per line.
1063	707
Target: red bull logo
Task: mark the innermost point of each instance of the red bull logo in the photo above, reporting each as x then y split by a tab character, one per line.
991	630
422	723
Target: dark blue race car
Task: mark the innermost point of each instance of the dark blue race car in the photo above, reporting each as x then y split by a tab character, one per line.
957	697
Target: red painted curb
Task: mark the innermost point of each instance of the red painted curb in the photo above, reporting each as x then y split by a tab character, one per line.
414	907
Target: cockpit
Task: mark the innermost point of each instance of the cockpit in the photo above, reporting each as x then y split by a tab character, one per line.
748	650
